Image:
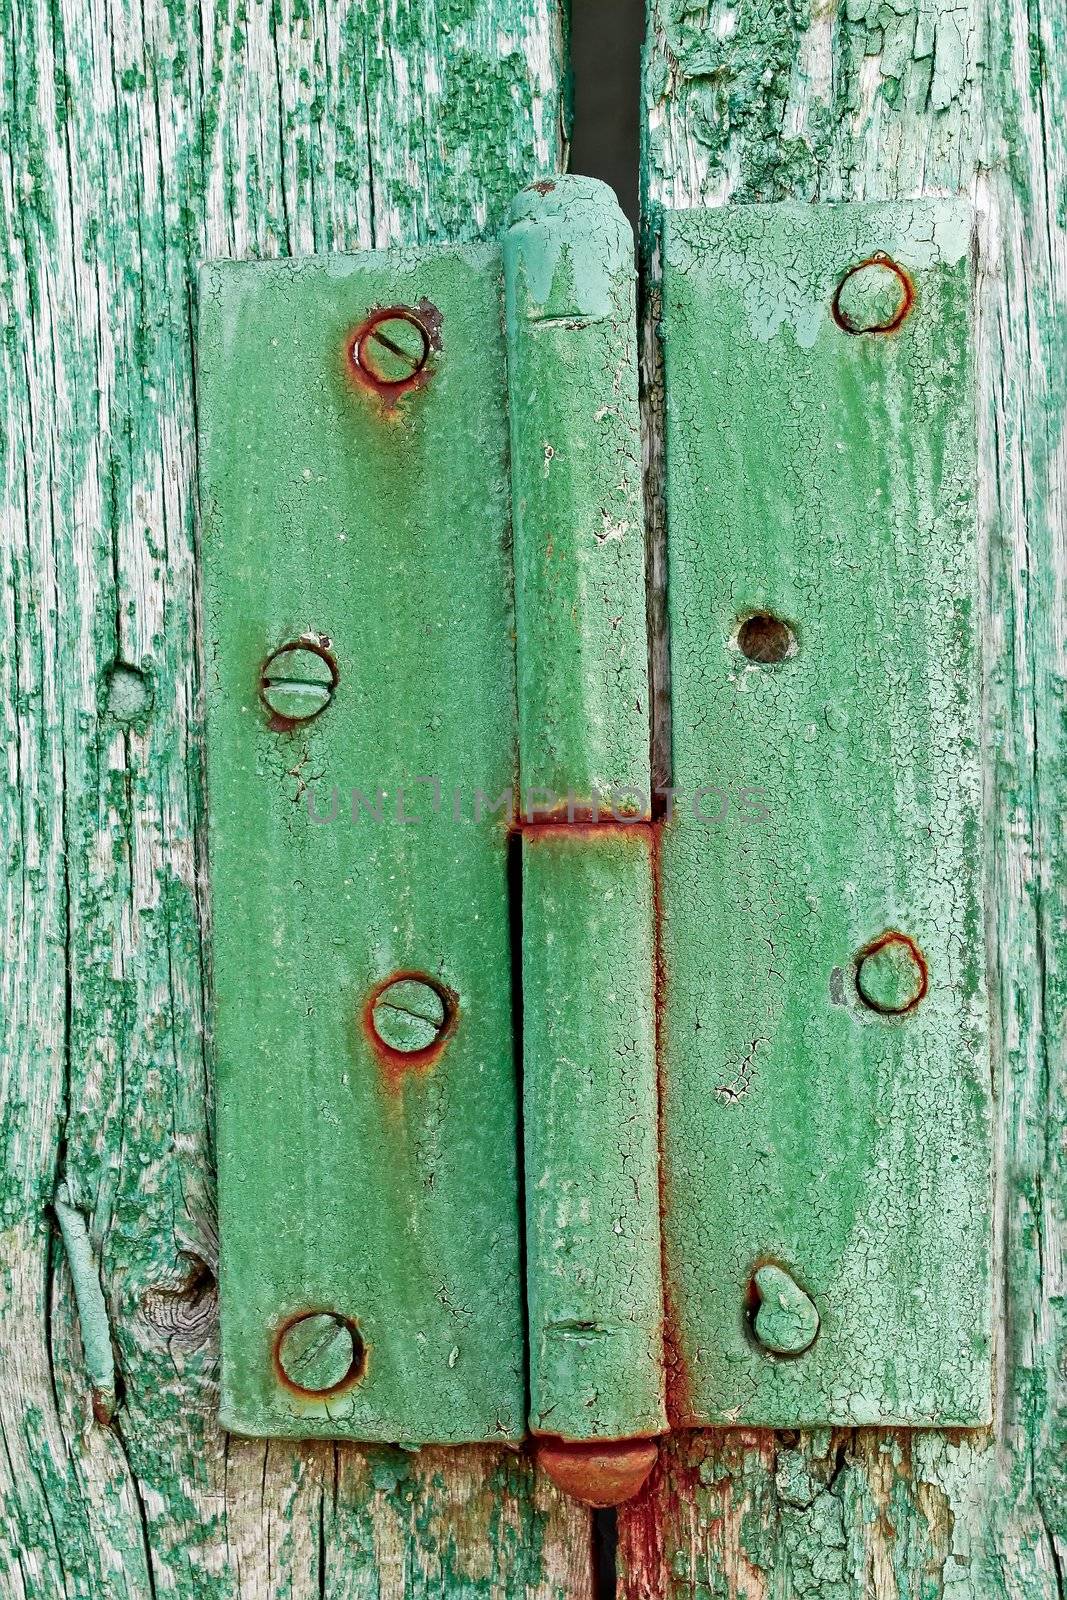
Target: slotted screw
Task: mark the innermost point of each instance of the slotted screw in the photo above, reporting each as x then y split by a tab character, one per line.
393	347
298	682
319	1352
409	1015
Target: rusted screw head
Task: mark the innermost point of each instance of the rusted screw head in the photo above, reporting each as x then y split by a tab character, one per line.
320	1352
786	1320
298	682
873	297
409	1015
393	347
891	974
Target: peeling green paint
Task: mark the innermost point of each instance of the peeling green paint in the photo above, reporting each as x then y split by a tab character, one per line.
138	142
890	103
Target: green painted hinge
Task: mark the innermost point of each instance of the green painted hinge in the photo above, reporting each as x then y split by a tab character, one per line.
750	1178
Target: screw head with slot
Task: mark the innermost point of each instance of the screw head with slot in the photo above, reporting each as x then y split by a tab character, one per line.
393	347
409	1015
298	682
320	1352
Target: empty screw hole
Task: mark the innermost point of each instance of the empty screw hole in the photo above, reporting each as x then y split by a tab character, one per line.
766	639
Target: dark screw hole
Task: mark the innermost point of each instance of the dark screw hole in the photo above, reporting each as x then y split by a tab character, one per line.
765	639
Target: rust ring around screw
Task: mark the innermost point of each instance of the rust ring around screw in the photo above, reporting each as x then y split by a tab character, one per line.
291	694
892	974
389	352
437	1028
343	1326
848	321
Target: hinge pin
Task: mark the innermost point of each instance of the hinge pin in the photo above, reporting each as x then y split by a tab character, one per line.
599	1473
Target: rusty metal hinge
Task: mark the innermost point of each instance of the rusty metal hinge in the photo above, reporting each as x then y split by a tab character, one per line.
754	1163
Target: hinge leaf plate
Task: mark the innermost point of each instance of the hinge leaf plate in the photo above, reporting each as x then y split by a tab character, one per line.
825	480
372	524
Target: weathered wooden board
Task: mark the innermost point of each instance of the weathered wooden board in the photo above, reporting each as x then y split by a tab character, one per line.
368	1166
875	103
824	1111
139	141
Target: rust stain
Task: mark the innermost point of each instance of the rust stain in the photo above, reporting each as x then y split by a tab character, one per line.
894	936
601	1473
645	1523
578	820
103	1408
426	318
396	1065
675	1372
878	260
355	1374
545	186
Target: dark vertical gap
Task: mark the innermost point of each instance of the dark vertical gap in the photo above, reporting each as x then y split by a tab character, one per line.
605	1544
605	65
606	38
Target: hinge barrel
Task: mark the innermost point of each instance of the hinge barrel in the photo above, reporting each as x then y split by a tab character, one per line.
594	1275
594	1280
577	496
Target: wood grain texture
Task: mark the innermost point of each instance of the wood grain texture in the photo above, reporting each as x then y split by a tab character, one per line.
137	141
768	102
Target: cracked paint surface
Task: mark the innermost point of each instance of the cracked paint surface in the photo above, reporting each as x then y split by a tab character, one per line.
830	479
137	142
380	1185
837	103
